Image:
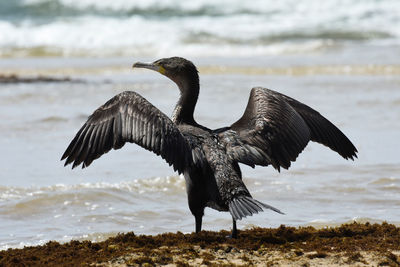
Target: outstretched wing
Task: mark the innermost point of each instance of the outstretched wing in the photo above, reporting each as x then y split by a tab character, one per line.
322	130
275	129
128	117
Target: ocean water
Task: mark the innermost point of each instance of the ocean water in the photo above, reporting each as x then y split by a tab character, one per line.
204	28
339	57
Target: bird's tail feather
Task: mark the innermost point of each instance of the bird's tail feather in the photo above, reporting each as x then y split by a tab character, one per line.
244	206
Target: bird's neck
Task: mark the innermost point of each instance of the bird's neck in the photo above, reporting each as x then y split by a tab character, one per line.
184	109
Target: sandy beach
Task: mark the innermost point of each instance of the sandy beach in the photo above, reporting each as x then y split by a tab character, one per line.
346	245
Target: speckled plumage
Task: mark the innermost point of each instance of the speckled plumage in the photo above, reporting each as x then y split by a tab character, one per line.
273	130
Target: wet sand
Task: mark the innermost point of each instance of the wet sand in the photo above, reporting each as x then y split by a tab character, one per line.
347	245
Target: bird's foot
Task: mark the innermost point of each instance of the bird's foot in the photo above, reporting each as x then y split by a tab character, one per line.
234	235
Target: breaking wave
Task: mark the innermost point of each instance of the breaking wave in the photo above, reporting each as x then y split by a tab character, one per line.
154	28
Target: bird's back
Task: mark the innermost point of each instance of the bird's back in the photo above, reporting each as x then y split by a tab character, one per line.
213	172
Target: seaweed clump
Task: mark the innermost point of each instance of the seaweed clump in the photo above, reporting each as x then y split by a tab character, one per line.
345	244
12	78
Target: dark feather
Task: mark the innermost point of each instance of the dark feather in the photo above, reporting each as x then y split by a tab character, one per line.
322	130
275	129
243	206
128	117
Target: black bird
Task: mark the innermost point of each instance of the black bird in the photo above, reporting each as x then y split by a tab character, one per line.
273	130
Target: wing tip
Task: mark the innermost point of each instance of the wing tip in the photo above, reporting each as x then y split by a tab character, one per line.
350	154
63	157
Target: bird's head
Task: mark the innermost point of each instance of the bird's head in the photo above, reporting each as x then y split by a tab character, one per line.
182	71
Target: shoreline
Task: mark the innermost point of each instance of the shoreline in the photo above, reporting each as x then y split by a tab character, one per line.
63	73
346	245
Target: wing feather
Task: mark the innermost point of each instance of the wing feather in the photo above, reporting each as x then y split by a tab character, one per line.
128	117
275	129
322	130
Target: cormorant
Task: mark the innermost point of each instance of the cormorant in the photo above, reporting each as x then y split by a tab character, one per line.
273	130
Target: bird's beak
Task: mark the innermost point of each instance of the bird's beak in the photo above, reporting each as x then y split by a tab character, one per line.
150	66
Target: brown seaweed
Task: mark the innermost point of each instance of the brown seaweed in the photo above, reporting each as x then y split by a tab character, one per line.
345	244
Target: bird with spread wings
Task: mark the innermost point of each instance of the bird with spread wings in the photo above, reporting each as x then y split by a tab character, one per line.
273	130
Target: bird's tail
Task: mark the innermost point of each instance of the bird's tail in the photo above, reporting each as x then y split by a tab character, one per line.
244	206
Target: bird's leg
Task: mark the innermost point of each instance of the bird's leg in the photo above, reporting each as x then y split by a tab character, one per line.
234	229
198	222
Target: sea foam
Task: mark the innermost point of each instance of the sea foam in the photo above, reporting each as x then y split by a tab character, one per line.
201	28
